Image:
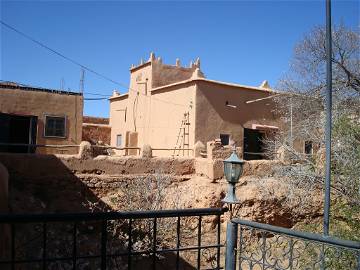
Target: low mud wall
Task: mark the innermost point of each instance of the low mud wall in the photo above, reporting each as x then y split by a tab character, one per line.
40	166
49	183
214	168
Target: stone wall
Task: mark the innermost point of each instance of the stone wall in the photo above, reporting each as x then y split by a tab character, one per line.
96	130
96	133
49	183
95	120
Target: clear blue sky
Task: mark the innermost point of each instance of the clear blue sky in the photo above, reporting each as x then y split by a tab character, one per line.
244	42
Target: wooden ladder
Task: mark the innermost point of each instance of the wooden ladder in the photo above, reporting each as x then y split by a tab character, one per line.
182	140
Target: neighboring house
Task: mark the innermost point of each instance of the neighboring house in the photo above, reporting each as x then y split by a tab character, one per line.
31	115
170	106
96	130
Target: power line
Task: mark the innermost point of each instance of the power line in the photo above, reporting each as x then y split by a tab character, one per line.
96	94
81	65
95	98
60	54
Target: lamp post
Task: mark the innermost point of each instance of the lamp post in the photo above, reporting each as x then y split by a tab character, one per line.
233	168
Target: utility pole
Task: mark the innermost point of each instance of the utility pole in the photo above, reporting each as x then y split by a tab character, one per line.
291	121
328	119
82	77
62	84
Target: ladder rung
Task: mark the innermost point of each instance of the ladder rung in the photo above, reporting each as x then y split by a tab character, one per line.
186	144
186	133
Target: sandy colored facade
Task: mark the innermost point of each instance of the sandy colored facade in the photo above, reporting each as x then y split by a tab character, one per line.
160	95
22	104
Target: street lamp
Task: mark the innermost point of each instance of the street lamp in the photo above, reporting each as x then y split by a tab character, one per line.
233	168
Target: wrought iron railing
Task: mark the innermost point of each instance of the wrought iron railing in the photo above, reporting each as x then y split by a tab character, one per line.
112	240
256	246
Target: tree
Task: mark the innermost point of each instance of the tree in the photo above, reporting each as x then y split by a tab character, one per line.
308	66
304	108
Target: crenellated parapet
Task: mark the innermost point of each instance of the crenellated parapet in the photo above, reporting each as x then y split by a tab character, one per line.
160	74
194	64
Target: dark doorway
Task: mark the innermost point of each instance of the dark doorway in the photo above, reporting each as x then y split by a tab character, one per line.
253	144
17	129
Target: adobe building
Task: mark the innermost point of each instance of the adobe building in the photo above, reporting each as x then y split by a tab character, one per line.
173	107
30	115
96	130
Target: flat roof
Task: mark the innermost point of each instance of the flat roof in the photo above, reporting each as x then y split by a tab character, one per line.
262	89
118	96
216	82
13	85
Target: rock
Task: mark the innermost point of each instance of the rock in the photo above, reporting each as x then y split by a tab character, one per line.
265	200
198	148
146	151
85	150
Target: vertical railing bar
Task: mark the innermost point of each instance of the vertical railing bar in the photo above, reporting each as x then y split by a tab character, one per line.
74	245
241	245
291	254
129	244
12	246
177	242
263	249
154	243
218	242
322	257
199	244
44	246
103	243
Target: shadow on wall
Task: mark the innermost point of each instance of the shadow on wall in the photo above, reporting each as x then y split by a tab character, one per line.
43	184
4	208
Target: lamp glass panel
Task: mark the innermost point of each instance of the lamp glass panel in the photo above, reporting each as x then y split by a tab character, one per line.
237	171
227	171
232	171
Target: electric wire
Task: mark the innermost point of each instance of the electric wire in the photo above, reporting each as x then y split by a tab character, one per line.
95	98
60	54
82	66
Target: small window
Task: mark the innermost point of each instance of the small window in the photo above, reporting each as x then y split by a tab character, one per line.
308	147
55	126
118	140
225	139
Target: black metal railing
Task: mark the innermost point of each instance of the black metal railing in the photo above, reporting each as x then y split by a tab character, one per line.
112	240
257	246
